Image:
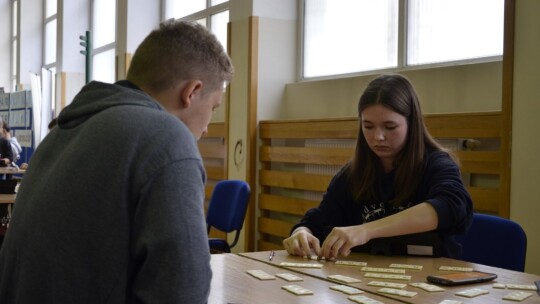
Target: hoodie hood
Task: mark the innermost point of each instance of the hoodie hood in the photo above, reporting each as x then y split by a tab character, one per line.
98	96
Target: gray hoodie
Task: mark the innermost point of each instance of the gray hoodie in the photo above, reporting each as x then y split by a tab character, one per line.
110	209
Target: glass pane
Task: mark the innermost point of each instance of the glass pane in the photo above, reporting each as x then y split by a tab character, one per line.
181	8
216	2
14	18
348	36
14	58
53	88
104	67
448	30
201	21
50	42
219	27
104	22
50	8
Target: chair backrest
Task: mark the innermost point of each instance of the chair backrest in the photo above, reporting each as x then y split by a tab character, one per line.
228	205
494	241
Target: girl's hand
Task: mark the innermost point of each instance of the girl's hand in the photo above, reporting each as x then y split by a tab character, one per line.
342	239
301	242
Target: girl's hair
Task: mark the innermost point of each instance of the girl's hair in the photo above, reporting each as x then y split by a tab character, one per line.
395	92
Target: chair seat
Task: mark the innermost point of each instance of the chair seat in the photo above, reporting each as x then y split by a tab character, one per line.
218	246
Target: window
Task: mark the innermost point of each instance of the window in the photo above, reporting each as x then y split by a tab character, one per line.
50	33
49	49
441	31
50	42
353	36
348	36
104	40
103	62
214	14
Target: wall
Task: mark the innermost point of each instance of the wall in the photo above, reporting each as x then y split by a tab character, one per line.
5	45
465	88
525	190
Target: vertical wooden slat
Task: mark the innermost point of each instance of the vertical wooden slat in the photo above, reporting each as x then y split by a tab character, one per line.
507	93
253	81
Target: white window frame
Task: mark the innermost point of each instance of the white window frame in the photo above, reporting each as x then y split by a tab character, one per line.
206	13
402	51
52	65
15	54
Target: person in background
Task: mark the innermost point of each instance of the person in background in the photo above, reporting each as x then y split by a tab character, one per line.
16	148
110	209
400	182
6	152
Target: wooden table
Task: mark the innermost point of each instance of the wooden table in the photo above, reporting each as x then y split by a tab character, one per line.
430	266
11	170
232	284
7	198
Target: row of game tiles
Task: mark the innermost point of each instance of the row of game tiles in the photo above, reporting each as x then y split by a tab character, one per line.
387	288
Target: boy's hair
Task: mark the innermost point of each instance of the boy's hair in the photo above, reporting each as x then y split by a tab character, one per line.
179	51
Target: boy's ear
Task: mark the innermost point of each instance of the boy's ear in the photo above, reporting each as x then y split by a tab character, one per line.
190	91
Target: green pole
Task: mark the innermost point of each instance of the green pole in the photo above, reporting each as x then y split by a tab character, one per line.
86	42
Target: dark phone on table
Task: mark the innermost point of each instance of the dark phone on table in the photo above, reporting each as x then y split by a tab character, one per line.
461	278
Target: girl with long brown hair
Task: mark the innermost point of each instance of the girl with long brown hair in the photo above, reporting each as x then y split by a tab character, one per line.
399	182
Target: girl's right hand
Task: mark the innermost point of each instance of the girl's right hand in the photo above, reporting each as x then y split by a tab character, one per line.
301	242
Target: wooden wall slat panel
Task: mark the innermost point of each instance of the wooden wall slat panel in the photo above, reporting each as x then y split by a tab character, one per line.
274	227
282	156
266	246
217	173
485	199
214	154
306	155
294	180
337	128
216	129
212	151
463	125
285	204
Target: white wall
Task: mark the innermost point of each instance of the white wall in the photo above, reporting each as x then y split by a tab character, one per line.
525	188
465	88
5	45
277	54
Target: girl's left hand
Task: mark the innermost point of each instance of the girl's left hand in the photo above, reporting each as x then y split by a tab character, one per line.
342	239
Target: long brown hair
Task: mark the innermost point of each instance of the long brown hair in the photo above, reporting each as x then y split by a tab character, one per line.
395	92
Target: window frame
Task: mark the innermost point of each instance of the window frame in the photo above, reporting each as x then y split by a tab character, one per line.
402	51
205	13
14	41
52	66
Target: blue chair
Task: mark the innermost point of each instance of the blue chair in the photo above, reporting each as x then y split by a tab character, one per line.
494	241
226	212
